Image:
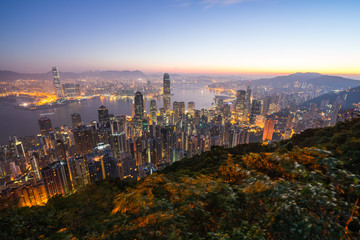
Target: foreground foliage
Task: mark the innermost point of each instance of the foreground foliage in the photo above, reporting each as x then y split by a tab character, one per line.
295	190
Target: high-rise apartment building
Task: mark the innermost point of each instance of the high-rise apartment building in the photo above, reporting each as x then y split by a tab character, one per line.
56	178
166	93
79	171
56	82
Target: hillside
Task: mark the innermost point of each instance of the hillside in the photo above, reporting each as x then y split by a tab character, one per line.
350	97
303	188
316	79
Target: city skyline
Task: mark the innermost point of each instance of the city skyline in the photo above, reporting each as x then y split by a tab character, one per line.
222	37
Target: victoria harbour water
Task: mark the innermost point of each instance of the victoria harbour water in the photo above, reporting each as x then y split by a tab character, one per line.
18	122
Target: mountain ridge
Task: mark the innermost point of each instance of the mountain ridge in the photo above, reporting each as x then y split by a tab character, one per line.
10	76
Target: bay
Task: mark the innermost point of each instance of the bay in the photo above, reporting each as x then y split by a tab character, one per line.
19	122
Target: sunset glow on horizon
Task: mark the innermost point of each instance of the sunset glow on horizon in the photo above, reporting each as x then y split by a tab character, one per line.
182	36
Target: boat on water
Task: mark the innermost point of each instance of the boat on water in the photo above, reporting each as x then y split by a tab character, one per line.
45	114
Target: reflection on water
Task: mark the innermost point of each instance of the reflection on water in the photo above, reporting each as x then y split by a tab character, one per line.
17	122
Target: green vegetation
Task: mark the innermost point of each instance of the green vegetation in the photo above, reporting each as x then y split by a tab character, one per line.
303	188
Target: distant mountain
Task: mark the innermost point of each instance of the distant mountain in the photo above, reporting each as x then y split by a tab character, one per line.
9	76
319	80
350	97
282	80
334	81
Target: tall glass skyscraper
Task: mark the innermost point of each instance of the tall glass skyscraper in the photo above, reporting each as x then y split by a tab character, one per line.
103	114
57	85
153	111
139	105
166	93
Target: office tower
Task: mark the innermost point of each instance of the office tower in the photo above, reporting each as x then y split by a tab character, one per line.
148	85
248	98
153	111
56	178
45	125
56	82
268	130
256	107
166	93
191	108
103	114
255	110
181	108
76	120
240	105
176	111
139	105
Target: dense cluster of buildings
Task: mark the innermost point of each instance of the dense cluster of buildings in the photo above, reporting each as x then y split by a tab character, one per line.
62	160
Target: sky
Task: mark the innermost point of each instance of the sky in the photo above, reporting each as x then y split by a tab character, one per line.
182	36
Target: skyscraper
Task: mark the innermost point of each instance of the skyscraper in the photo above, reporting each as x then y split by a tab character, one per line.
57	85
248	98
255	110
153	111
166	93
240	105
268	130
45	125
56	178
76	120
139	105
191	108
176	110
181	108
103	114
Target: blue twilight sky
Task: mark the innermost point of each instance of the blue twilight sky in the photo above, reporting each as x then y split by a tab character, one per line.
205	36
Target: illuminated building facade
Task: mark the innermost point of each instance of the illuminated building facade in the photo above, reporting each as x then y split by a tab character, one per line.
166	93
268	130
153	111
56	82
56	177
